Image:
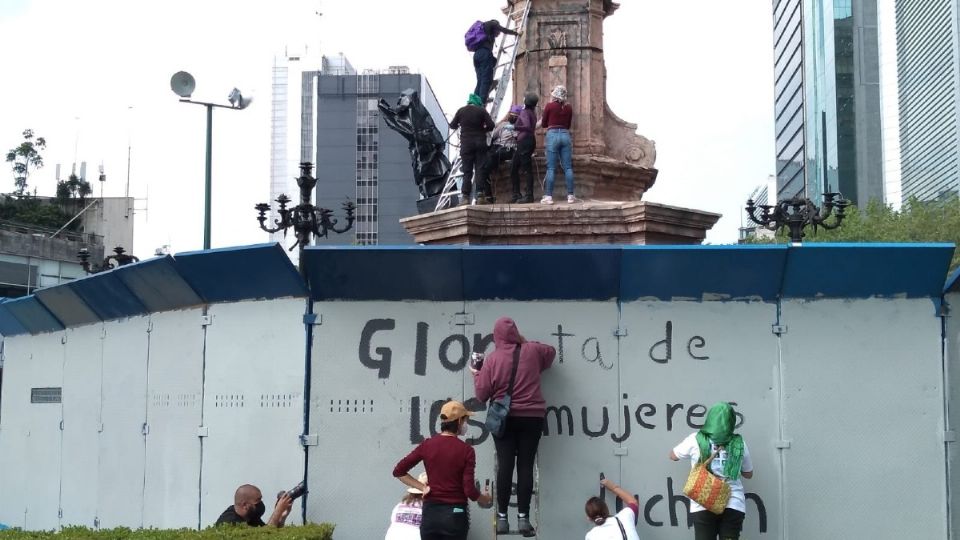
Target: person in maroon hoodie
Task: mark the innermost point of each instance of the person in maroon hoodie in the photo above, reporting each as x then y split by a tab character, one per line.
450	465
524	424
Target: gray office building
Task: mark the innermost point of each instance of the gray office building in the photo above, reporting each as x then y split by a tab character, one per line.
359	158
929	82
827	99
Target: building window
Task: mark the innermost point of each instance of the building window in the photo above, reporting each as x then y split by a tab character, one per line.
368	143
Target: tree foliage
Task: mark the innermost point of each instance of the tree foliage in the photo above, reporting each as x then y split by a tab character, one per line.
916	221
34	211
73	188
322	531
24	157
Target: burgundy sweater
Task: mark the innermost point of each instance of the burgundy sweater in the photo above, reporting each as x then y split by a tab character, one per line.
450	465
557	115
494	378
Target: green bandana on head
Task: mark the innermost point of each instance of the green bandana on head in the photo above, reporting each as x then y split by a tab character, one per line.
474	100
718	429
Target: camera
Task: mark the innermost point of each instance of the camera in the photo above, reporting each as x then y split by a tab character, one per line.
476	361
298	491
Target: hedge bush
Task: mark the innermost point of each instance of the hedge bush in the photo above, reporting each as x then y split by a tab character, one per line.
322	531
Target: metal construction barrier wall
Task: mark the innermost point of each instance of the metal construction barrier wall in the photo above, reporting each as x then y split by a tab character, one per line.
183	377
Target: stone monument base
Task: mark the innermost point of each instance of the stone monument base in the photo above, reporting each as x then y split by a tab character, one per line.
632	222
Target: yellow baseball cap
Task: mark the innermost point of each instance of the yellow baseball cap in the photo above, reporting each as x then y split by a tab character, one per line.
453	410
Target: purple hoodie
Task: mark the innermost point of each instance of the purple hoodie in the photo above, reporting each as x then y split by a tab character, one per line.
494	377
526	124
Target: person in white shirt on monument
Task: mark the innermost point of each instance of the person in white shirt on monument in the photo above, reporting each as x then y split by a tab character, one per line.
407	514
622	526
731	461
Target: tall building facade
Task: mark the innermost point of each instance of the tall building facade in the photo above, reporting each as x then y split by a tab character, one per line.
929	77
359	158
827	99
293	74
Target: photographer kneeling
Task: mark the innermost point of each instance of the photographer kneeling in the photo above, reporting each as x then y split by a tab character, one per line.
248	508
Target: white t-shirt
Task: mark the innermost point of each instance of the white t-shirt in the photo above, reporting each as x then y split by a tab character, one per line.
405	522
611	531
689	449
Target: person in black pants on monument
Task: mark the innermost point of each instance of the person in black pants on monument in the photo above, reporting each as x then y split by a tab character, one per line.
524	424
526	144
474	122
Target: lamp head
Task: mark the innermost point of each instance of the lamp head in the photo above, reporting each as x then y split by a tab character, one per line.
237	100
182	84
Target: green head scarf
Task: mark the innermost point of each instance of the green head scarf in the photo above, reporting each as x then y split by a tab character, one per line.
474	100
718	429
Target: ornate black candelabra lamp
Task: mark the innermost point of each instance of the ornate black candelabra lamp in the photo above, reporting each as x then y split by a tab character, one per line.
119	258
797	213
305	219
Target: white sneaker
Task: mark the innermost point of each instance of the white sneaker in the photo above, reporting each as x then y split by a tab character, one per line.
571	199
547	199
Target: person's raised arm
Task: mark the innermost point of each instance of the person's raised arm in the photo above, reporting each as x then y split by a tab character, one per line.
624	496
280	511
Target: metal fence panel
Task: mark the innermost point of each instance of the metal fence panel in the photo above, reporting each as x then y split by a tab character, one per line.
952	364
31	432
122	442
253	402
584	421
863	414
381	371
175	386
82	376
677	360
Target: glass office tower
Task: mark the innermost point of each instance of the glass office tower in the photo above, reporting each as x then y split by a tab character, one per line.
927	61
827	99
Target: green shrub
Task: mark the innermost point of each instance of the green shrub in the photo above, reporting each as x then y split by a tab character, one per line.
322	531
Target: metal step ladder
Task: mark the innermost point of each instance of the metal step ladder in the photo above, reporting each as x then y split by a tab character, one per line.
512	516
506	57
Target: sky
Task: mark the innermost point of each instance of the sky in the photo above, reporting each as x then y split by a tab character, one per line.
92	77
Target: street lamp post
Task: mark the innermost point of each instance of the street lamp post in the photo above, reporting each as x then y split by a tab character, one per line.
183	84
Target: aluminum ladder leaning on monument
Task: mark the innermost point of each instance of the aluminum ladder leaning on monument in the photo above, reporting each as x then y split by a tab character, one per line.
504	71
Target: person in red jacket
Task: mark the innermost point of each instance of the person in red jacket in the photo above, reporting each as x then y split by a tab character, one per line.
524	426
557	118
450	465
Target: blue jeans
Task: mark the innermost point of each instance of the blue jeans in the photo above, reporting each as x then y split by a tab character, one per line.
559	144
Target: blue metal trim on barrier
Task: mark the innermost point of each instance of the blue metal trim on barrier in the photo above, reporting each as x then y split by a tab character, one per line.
953	282
384	273
33	315
261	271
751	272
866	270
586	272
67	306
107	296
158	285
9	325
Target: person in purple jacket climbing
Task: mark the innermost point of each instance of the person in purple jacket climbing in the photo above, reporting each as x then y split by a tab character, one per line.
524	425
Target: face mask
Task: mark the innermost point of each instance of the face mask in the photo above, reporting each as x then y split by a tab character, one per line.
463	428
257	512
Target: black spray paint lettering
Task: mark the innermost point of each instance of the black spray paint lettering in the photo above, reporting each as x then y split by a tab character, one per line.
661	352
454	350
676	499
560	335
433	421
560	419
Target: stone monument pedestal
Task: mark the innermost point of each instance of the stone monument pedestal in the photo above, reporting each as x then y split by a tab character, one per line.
606	222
